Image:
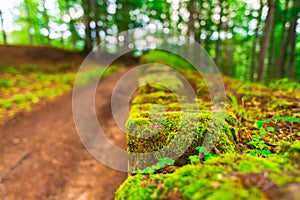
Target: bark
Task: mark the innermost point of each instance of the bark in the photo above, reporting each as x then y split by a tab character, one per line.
265	41
271	63
96	19
46	18
3	31
283	45
71	26
191	27
255	43
87	20
293	36
218	44
29	22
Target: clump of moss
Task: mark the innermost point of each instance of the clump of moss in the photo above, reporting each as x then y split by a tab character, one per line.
150	132
159	97
229	176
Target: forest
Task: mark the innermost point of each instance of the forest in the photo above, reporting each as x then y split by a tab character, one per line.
150	99
252	40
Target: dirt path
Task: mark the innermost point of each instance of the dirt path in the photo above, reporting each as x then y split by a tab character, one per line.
42	156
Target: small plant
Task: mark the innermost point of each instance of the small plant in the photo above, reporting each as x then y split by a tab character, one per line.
163	162
260	148
5	83
240	110
194	159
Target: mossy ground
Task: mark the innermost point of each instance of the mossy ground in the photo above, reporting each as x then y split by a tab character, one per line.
157	113
23	86
230	176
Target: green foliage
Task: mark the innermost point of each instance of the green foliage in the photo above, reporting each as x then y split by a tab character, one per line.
167	59
21	87
239	109
285	84
194	159
163	162
218	178
260	148
265	146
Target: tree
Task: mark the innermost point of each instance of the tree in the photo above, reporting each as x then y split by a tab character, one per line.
255	43
292	35
266	40
2	25
283	43
87	21
219	29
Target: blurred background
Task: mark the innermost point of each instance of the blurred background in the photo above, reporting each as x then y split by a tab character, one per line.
251	40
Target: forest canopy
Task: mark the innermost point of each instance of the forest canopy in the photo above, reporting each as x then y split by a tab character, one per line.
252	40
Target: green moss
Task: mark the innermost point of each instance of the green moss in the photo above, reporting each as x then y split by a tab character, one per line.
150	132
227	177
159	97
157	115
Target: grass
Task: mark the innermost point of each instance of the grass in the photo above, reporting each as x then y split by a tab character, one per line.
260	142
22	87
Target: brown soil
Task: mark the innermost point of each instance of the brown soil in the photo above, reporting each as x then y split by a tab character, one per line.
42	156
38	55
50	56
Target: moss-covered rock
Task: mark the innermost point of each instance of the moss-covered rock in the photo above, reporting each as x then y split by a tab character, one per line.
157	119
150	132
230	176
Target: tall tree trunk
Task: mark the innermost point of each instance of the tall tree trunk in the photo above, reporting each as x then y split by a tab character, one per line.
265	41
197	49
255	43
3	31
71	25
87	20
283	45
96	19
46	18
293	36
29	22
191	28
218	44
271	61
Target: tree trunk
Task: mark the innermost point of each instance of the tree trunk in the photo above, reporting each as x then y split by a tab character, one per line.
191	28
283	45
271	63
218	44
2	25
96	19
255	42
71	26
87	20
29	22
293	36
265	41
46	18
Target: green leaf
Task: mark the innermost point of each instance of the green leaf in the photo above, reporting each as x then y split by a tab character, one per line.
201	149
194	159
277	117
260	123
266	152
271	129
291	119
166	161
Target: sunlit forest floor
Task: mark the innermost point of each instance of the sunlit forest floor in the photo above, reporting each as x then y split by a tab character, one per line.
255	156
42	157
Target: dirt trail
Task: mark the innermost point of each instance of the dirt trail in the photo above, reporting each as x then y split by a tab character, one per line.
42	156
